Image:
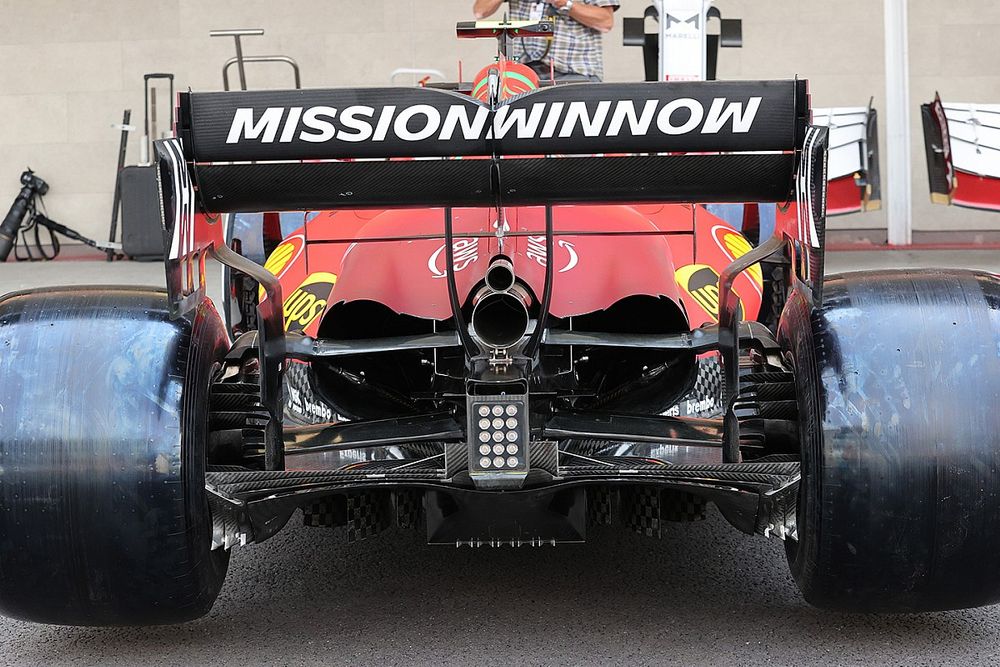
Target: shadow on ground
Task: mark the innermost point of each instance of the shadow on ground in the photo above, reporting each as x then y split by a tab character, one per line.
703	594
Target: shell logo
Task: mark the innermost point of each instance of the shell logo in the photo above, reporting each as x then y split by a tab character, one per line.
735	246
308	301
284	255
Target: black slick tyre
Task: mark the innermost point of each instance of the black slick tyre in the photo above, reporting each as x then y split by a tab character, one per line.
898	381
104	518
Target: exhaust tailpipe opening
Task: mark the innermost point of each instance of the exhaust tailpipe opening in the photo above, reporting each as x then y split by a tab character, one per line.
499	319
500	275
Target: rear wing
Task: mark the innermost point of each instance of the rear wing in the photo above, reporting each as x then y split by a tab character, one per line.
853	167
291	150
962	147
420	147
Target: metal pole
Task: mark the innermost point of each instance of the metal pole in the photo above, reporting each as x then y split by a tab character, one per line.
899	209
239	64
117	197
236	34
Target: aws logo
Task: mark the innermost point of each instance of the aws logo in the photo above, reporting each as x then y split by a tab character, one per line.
308	301
701	282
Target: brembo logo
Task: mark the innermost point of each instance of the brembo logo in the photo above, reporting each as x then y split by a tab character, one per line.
542	120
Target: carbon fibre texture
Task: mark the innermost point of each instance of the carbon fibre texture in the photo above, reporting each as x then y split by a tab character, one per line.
773	392
456	458
249	482
206	121
817	197
778	409
409	508
660	473
544	455
934	151
523	181
641	509
705	399
680	506
600	506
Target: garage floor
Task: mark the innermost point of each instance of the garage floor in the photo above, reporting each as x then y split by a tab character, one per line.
703	594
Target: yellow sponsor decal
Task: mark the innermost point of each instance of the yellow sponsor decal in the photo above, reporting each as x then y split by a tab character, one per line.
701	282
308	301
739	246
284	254
281	258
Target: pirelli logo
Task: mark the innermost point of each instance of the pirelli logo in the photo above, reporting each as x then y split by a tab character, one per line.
541	120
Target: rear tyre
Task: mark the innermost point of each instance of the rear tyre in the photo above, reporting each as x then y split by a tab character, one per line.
104	518
898	377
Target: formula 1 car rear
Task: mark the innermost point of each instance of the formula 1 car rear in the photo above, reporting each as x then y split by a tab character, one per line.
512	324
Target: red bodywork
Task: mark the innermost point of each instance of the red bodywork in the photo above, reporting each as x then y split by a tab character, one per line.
975	191
674	251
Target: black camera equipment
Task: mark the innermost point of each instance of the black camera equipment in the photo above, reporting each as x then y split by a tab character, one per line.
24	217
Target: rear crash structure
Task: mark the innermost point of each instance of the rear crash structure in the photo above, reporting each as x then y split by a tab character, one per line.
139	444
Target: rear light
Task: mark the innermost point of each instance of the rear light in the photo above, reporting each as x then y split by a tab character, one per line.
498	433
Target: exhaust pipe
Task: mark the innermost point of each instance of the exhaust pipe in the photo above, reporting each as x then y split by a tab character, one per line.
500	319
500	275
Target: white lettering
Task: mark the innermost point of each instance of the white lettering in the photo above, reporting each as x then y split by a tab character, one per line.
741	120
431	124
552	119
527	125
638	126
578	113
243	126
349	119
458	115
541	120
291	122
696	113
464	252
384	121
324	128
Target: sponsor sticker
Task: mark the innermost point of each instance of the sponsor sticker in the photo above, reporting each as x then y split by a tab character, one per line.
701	282
464	252
735	246
284	255
308	301
542	120
282	258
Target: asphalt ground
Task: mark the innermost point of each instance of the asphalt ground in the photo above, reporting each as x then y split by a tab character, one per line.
703	594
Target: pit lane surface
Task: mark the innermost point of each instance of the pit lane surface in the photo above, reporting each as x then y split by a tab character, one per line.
703	594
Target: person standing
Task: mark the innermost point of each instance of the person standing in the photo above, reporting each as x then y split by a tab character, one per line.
574	52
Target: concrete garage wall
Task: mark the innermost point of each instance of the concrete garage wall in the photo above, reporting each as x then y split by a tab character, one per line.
69	67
